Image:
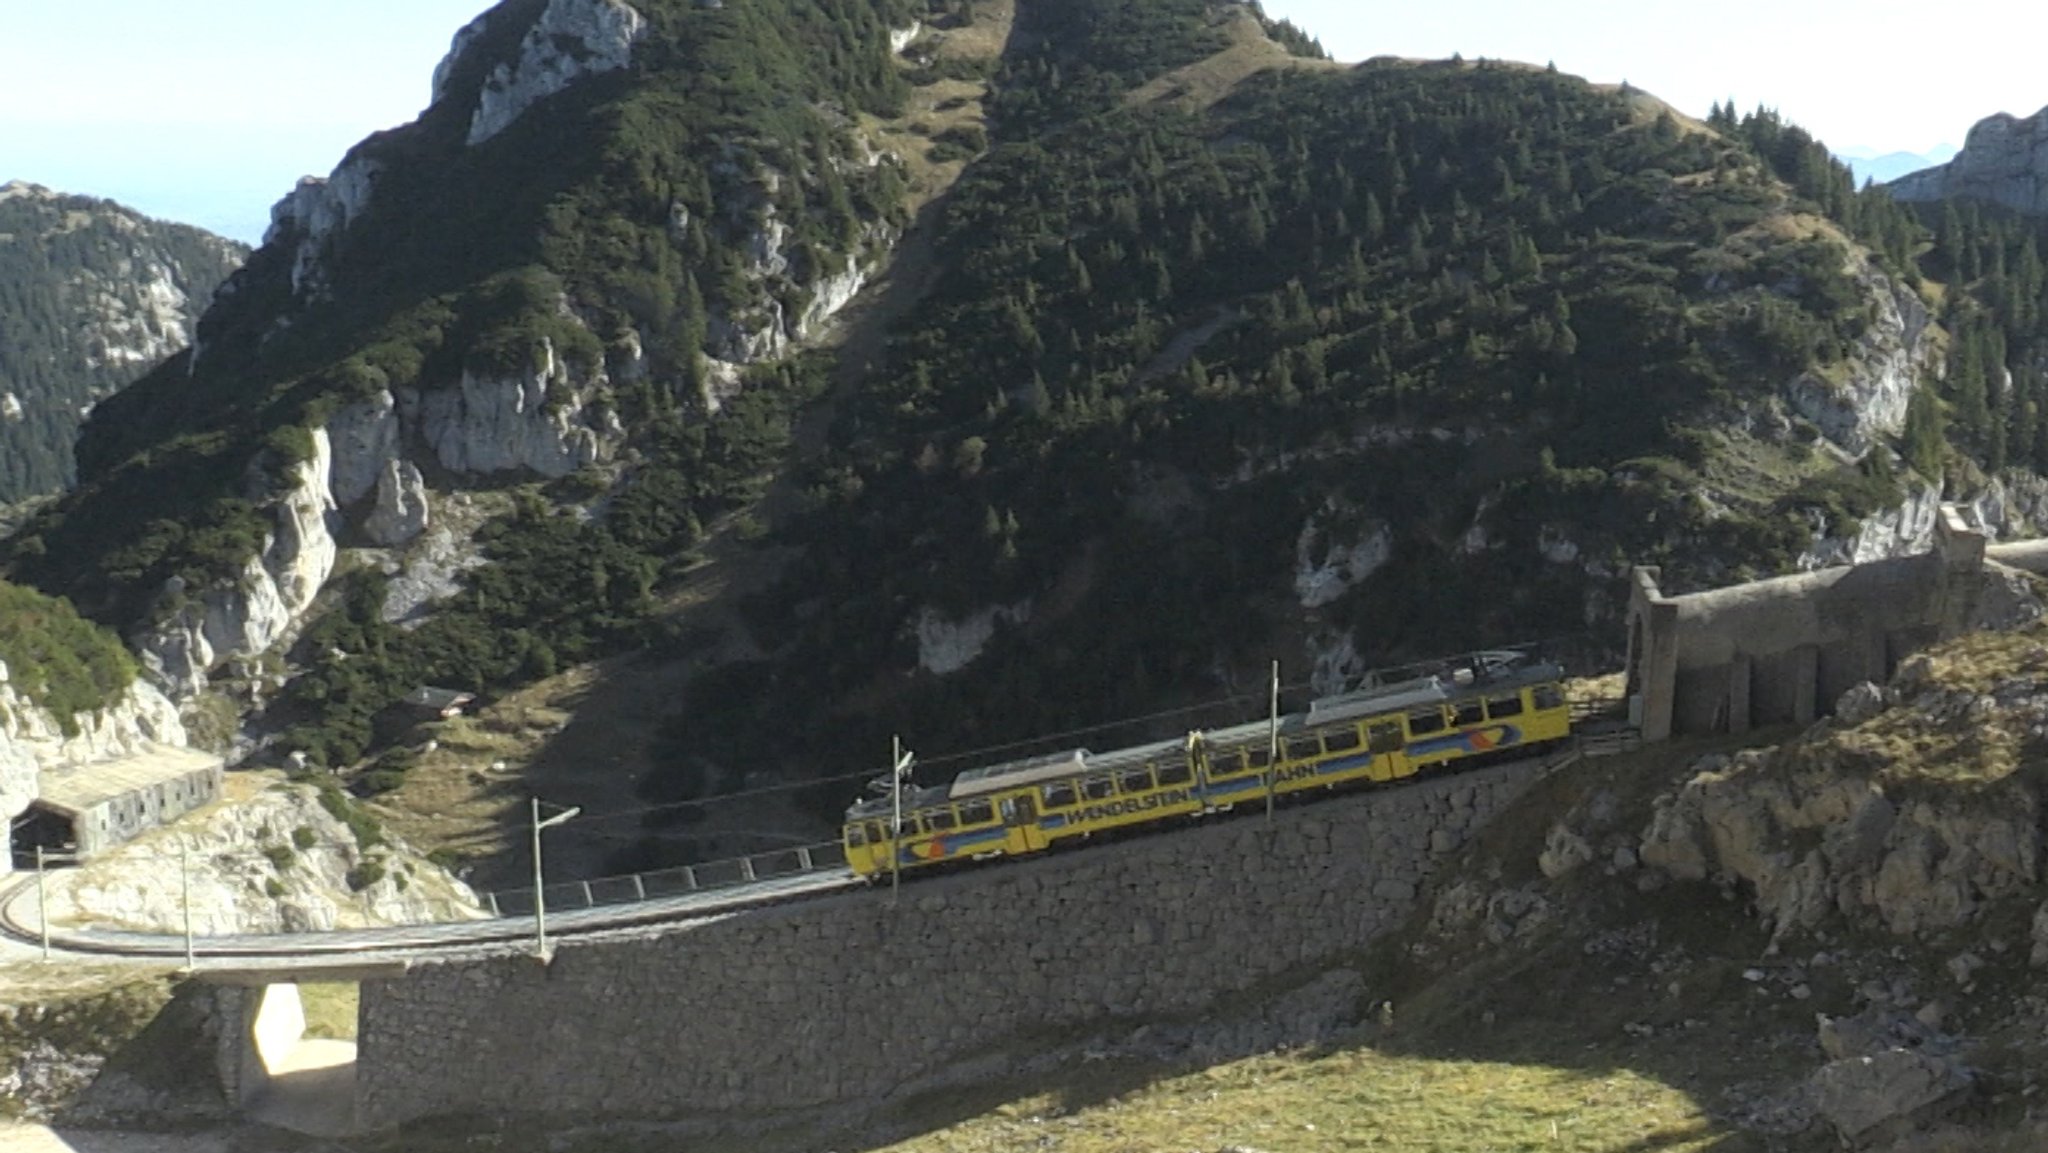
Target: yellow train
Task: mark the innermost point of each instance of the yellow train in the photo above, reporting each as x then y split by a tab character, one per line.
1478	708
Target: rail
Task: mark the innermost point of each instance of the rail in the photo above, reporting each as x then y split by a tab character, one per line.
504	917
634	888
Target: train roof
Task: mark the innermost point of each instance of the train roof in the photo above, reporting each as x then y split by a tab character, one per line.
1137	754
1009	774
913	798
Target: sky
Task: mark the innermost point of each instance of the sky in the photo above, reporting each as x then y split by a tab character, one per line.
208	111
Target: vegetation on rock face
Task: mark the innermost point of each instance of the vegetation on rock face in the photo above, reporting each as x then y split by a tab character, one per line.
91	296
57	659
1172	354
621	210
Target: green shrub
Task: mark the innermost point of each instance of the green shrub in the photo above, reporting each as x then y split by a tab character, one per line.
368	873
59	660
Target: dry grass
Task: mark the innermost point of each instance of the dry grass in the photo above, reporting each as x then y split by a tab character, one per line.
330	1008
1349	1100
1959	748
1203	83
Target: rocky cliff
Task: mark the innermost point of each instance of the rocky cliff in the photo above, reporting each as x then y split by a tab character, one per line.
280	859
98	294
2004	161
250	612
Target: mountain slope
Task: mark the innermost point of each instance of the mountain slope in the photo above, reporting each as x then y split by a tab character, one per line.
95	295
1212	352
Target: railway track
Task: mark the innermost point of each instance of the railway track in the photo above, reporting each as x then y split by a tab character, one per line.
576	909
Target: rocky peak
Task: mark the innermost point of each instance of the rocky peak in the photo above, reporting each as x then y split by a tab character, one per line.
314	213
572	39
2004	160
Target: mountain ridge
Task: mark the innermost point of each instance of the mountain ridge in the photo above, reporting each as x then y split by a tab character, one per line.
98	294
1345	363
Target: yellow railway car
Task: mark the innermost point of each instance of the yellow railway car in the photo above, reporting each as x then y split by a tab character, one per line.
1468	710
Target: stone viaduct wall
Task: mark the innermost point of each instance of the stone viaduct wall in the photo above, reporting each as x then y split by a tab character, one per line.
847	999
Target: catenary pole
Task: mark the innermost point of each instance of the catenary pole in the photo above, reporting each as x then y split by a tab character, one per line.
1273	745
896	817
42	904
185	889
540	910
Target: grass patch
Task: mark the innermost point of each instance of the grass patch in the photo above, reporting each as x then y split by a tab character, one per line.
330	1008
1348	1100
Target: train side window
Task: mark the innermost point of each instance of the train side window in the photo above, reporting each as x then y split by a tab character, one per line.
1135	780
1059	796
1467	713
940	820
1384	737
910	825
1224	764
1546	697
1424	721
1098	788
856	835
1499	707
977	813
1258	756
1177	773
1342	741
1304	748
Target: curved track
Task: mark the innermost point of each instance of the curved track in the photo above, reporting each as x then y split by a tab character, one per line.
20	918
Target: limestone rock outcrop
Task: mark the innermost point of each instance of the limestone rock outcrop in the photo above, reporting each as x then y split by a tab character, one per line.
1812	831
277	862
1322	579
1907	530
401	513
2004	160
1884	367
248	614
571	40
314	214
540	420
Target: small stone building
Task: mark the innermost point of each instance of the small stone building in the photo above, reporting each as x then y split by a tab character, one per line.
91	808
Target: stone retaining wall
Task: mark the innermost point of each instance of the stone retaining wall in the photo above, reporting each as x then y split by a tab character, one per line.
847	999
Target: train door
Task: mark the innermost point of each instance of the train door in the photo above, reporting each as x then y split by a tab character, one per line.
1020	817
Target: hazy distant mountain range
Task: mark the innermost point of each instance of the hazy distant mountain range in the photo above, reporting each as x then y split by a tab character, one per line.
1869	164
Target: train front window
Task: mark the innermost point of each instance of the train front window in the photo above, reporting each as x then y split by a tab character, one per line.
1546	697
856	836
877	833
